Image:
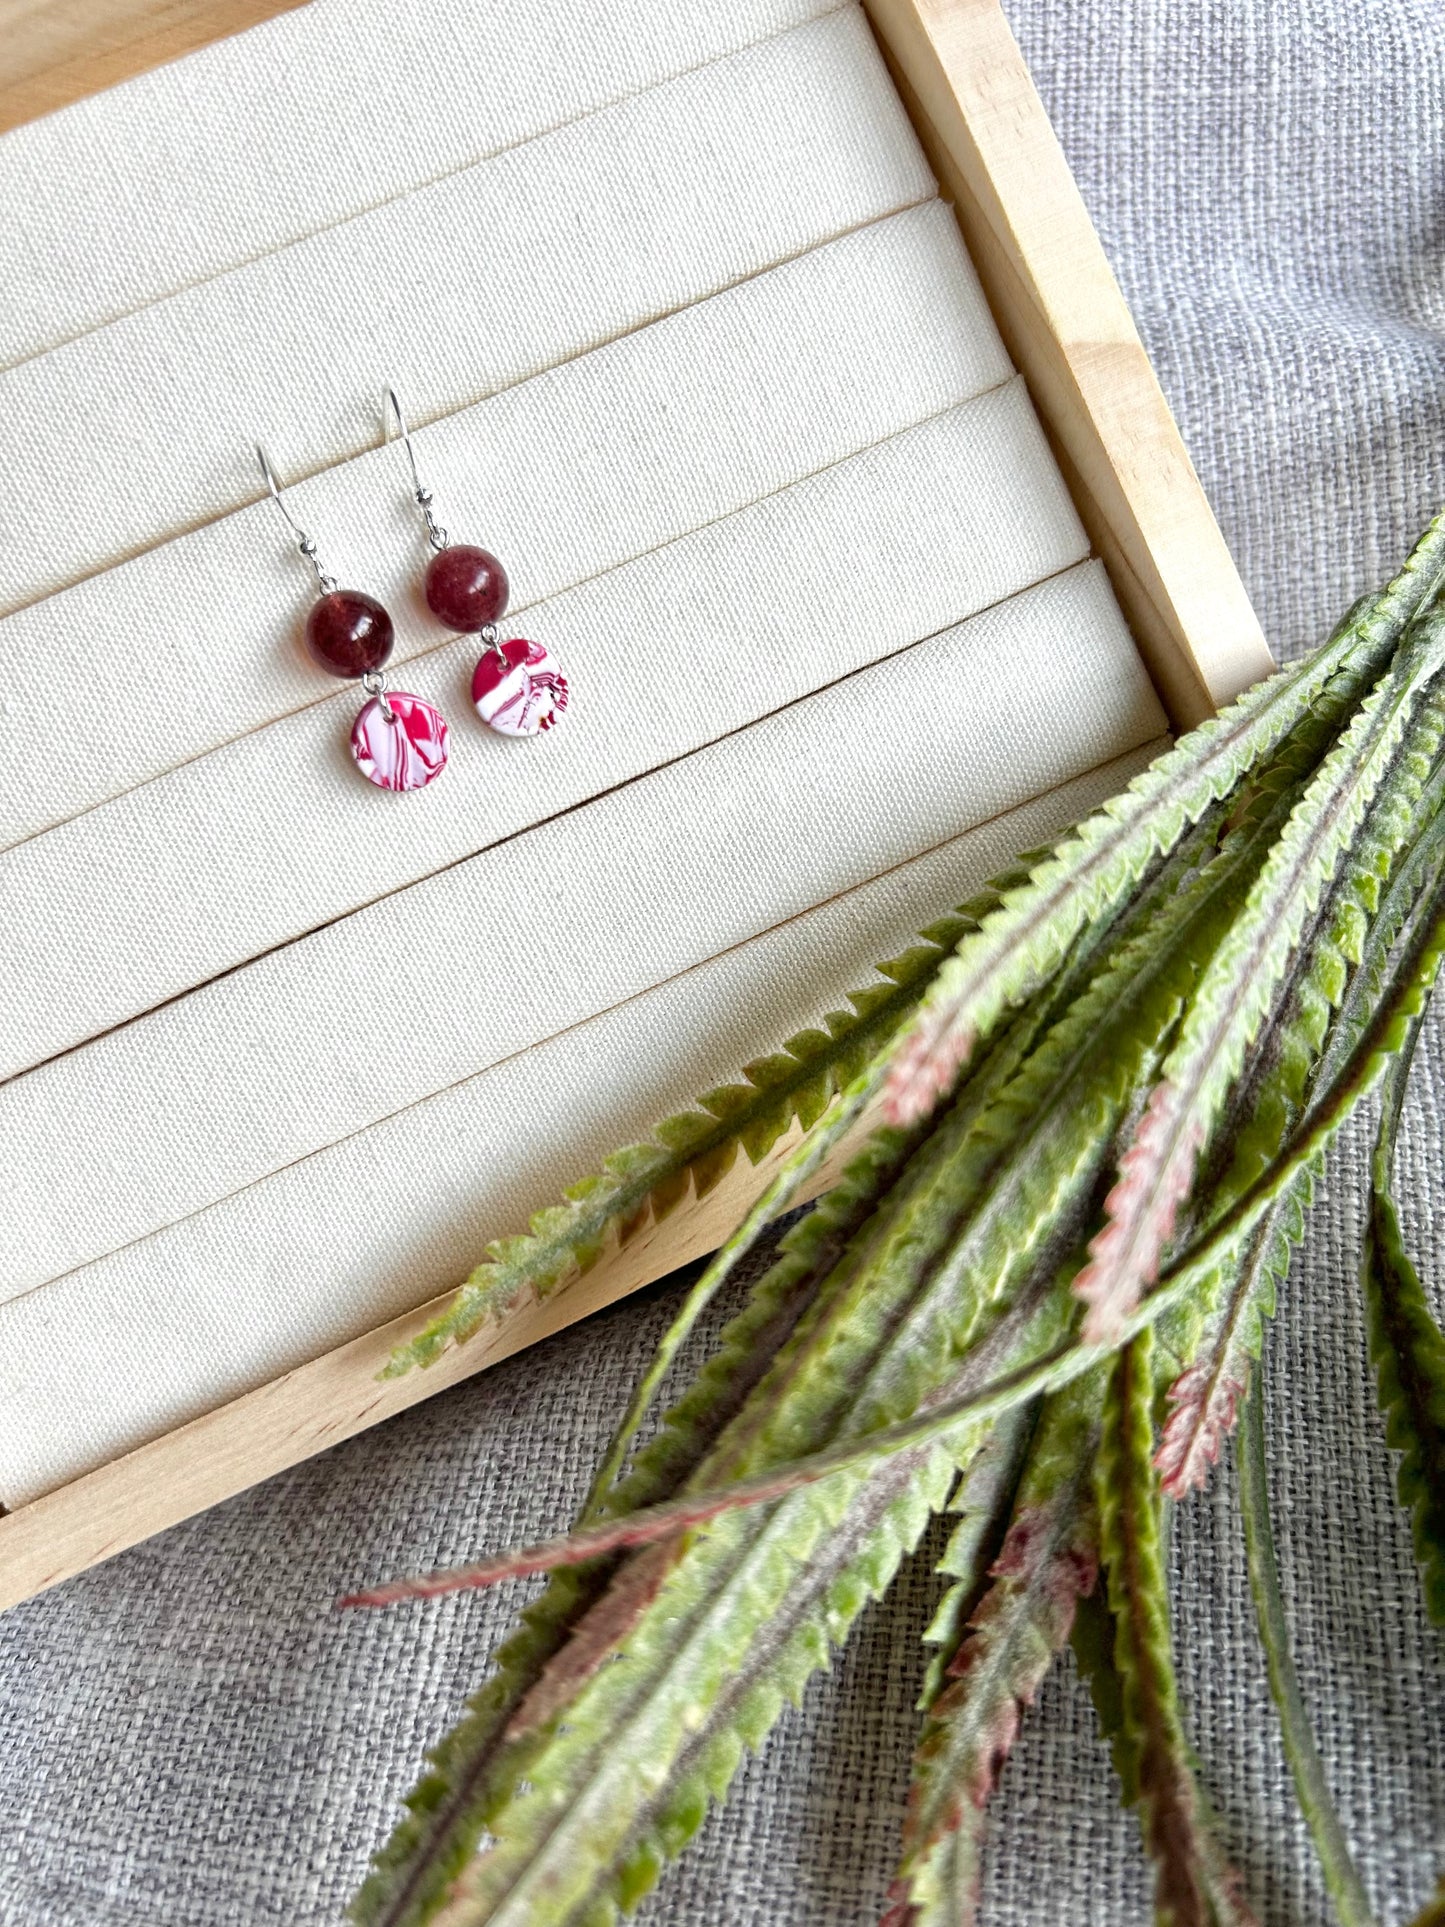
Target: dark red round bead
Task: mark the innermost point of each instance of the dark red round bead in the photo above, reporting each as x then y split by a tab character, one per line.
349	633
466	588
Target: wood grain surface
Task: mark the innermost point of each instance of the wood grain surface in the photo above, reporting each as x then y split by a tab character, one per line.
56	51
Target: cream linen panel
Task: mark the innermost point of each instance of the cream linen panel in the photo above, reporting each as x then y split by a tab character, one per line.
338	1242
694	348
451	292
304	122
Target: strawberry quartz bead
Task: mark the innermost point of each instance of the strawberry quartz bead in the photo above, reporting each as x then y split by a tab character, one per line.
466	588
349	633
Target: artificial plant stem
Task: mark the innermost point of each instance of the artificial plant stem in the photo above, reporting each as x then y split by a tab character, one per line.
1346	1889
792	1174
1056	1368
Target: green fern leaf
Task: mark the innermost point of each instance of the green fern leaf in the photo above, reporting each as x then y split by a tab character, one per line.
1407	1350
1025	940
1355	934
1193	1887
1306	1768
984	1499
1205	1396
1093	1642
1239	986
763	1634
423	1859
996	1663
686	1155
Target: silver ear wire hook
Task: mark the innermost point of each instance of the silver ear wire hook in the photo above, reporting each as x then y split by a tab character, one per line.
324	582
421	494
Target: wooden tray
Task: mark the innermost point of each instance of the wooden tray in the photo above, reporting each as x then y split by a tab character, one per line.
968	92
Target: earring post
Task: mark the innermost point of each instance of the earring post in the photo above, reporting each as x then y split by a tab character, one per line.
421	494
306	543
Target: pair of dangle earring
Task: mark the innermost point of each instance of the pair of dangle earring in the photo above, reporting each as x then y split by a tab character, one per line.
400	741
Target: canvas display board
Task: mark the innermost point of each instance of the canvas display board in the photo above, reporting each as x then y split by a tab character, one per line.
687	335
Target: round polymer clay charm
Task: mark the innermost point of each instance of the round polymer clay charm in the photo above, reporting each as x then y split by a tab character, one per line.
518	688
399	742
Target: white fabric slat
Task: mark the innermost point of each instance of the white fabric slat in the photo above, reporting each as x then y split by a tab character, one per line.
611	453
234	853
305	121
143	428
174	1325
429	985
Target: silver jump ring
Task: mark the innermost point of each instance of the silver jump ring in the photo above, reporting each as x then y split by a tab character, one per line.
374	683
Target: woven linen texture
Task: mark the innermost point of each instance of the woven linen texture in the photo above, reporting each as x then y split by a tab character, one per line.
270	136
190	1738
174	1323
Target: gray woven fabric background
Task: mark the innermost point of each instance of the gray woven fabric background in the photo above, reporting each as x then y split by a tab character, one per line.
189	1738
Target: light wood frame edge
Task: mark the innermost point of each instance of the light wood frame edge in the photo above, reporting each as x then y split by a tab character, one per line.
58	54
969	91
973	101
316	1405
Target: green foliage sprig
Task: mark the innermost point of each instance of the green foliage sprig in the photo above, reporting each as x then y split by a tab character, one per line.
1101	1094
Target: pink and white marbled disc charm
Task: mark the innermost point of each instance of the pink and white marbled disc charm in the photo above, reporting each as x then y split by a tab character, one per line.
405	751
518	688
